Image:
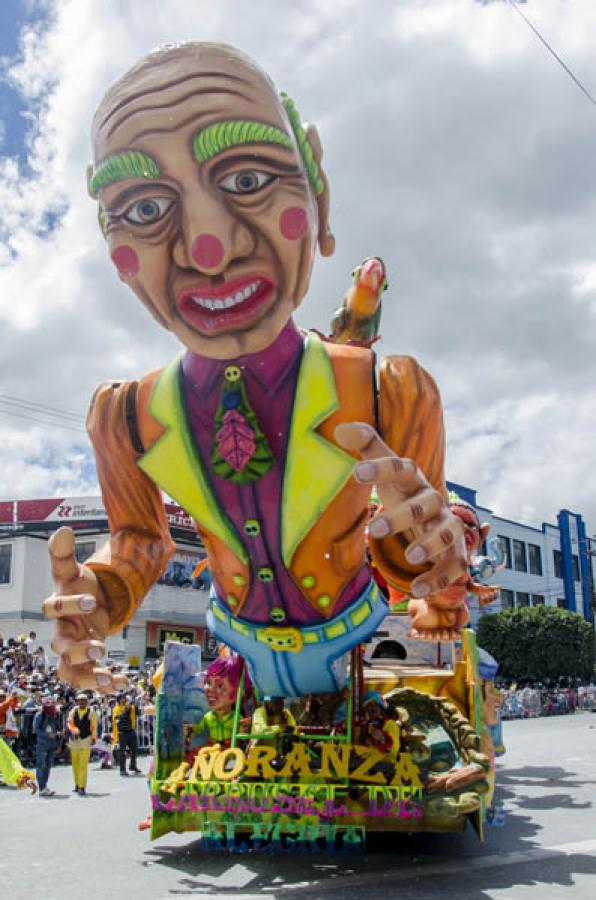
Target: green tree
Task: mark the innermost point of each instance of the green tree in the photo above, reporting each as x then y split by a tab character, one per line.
538	643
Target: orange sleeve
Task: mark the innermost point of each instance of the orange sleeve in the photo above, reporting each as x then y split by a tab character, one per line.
410	416
139	547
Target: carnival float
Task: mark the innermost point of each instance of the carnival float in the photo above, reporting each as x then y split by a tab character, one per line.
313	472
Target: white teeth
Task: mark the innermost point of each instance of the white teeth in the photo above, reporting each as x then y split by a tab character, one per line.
227	302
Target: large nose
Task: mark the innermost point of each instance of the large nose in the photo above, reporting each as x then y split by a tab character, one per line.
210	235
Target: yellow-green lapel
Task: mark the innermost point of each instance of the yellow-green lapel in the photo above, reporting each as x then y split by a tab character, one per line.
316	470
174	463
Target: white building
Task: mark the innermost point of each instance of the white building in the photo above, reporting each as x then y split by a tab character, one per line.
549	565
174	608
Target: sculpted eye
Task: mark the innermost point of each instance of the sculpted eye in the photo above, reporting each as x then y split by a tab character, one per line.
148	210
249	181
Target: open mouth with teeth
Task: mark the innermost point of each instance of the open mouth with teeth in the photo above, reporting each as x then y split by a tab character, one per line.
232	304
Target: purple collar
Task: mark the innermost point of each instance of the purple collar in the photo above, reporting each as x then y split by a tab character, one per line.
269	367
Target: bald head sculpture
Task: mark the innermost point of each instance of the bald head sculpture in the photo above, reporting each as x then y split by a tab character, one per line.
212	197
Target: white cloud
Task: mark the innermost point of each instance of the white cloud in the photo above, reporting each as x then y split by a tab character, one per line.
457	149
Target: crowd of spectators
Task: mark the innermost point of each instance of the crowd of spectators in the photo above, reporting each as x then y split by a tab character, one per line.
527	699
28	683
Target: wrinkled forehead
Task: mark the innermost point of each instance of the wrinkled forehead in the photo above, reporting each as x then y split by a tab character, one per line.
186	89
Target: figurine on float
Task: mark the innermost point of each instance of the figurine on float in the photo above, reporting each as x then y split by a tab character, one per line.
491	743
379	729
221	688
212	200
433	609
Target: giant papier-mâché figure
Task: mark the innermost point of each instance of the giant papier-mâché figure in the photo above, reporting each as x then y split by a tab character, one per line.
212	200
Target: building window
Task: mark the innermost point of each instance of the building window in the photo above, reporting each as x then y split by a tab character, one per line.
575	561
5	563
506	599
561	603
506	548
537	600
519	556
535	559
84	550
558	561
522	599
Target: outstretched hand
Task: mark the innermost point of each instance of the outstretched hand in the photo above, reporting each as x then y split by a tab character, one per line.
78	606
410	505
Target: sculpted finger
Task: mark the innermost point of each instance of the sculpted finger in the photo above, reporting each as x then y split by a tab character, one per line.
85	677
79	653
56	607
393	470
65	567
411	513
359	437
120	681
438	536
440	576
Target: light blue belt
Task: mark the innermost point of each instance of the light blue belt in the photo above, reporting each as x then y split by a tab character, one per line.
291	640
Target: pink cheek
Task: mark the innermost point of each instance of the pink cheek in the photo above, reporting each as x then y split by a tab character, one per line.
207	251
293	223
126	261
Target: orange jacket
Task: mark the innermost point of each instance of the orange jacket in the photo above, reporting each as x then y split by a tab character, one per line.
325	509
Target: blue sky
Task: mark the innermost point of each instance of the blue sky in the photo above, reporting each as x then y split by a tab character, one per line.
14	16
457	149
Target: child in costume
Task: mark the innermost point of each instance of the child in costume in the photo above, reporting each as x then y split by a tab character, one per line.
11	770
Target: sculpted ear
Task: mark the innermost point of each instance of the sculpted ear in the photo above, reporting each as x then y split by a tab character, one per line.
484	530
326	238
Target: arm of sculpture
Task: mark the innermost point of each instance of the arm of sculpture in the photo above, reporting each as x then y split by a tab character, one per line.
98	598
410	418
130	563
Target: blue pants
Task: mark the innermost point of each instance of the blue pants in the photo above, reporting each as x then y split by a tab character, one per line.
321	662
44	757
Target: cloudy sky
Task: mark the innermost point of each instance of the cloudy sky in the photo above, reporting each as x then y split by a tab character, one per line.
457	148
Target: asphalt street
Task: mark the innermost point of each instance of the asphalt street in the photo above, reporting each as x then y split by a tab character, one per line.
69	847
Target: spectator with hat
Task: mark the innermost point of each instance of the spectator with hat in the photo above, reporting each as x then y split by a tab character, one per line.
82	729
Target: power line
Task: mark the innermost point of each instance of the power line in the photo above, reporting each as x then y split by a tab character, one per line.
543	40
42	407
43	421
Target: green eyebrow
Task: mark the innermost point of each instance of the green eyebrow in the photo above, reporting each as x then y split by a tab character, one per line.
304	146
130	164
213	139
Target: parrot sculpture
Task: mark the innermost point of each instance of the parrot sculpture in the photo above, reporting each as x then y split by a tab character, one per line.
358	318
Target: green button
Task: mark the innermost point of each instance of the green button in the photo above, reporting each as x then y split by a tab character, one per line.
277	614
309	581
265	574
252	527
231	600
324	601
239	580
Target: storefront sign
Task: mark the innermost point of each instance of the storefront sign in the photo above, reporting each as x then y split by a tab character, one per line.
182	635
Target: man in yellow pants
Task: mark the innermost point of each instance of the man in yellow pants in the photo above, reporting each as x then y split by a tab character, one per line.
82	726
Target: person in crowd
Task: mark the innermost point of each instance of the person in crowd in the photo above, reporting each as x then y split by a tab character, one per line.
46	726
30	643
8	703
39	659
124	723
82	728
